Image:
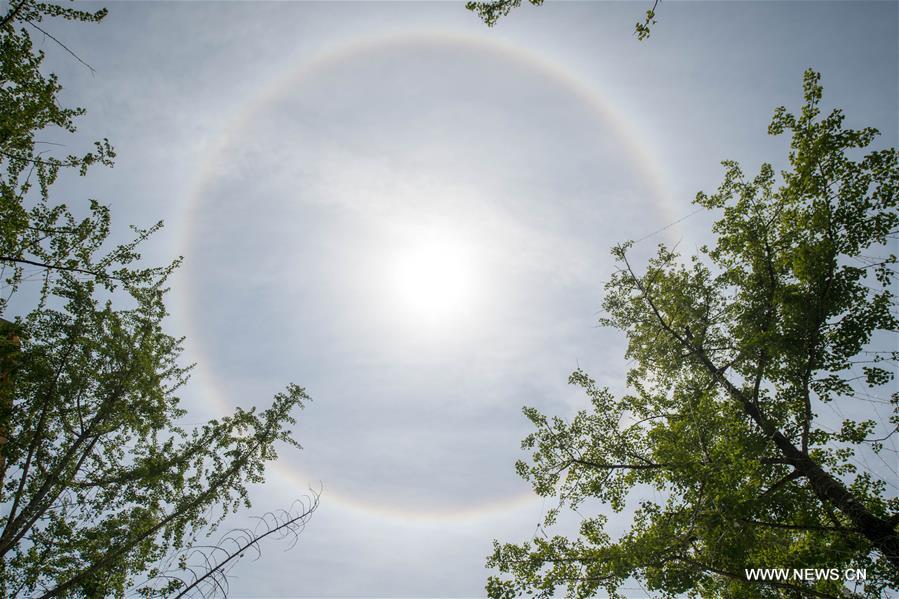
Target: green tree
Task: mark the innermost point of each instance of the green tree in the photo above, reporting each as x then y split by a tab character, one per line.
735	352
491	11
98	483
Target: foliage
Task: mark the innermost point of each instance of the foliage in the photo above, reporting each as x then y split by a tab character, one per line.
98	483
735	352
491	11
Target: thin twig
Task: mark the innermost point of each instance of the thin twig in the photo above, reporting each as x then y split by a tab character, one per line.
63	46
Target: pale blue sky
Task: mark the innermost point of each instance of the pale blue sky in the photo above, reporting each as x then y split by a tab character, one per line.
302	152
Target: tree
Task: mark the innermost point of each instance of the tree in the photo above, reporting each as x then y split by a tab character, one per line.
735	353
491	11
98	483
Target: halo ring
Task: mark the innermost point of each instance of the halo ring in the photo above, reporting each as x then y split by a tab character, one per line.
598	104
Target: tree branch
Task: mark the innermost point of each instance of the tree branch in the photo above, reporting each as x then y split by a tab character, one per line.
825	486
56	267
12	14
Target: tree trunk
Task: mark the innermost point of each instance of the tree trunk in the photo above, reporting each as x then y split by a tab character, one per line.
881	532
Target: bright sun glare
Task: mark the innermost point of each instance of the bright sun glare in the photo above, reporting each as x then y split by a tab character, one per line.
433	279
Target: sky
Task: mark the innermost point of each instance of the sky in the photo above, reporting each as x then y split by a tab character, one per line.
410	214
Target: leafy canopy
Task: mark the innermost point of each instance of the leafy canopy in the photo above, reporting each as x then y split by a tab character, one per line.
735	353
98	483
491	11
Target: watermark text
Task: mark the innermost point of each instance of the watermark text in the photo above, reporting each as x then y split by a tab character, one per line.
805	574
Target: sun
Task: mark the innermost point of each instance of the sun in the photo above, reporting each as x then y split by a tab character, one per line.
433	279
